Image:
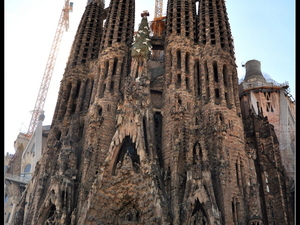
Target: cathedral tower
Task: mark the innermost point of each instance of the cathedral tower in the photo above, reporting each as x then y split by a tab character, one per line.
111	70
201	90
139	141
221	117
55	197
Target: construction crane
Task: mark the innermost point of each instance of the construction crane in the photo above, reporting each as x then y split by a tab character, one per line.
158	9
158	24
63	25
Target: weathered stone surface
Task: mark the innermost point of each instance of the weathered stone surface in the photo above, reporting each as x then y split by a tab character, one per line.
133	145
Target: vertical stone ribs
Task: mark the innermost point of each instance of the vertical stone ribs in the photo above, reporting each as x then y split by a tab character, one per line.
86	43
114	58
119	24
213	25
181	18
212	22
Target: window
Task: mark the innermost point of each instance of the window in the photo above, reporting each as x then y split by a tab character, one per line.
215	69
33	148
27	168
267	185
5	199
269	107
127	154
7	219
178	59
267	95
158	136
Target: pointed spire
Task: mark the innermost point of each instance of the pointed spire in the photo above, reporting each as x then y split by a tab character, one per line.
119	25
181	18
213	25
141	47
95	1
86	44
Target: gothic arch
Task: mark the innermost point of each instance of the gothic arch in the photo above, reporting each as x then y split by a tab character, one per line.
202	207
48	215
199	215
127	153
129	124
128	214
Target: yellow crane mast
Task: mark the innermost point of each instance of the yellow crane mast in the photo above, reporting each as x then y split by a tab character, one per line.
63	24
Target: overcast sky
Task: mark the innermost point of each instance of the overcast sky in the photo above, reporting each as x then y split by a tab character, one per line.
262	29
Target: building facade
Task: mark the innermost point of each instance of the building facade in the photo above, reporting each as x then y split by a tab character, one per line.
136	140
274	101
19	167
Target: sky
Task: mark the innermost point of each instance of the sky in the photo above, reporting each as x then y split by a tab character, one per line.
262	29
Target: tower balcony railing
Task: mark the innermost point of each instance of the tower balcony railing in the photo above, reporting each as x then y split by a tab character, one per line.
18	178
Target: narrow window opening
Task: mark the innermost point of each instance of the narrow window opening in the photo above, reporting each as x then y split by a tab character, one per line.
215	69
217	93
100	111
115	66
73	109
237	174
269	107
145	135
235	210
179	101
106	69
217	96
187	61
58	135
187	83
178	83
81	128
198	79
102	91
112	83
137	73
225	71
267	95
227	100
178	60
158	136
207	80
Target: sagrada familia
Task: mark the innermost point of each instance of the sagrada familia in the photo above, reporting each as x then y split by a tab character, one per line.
157	130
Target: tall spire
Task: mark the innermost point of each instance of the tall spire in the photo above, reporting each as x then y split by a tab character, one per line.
213	25
86	43
95	1
141	47
181	18
119	24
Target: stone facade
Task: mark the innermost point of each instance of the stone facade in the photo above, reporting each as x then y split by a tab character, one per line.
274	101
139	141
19	167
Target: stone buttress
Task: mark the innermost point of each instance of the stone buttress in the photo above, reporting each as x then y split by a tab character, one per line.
52	198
